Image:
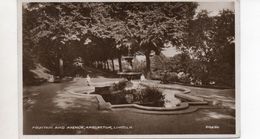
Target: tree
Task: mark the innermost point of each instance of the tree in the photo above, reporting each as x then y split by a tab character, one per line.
55	24
103	31
153	24
211	42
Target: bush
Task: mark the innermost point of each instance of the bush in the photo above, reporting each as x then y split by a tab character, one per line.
170	77
184	78
150	96
157	75
120	86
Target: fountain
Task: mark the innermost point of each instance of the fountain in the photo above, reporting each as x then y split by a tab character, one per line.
128	73
141	94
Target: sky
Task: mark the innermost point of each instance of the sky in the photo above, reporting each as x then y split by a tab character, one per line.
215	7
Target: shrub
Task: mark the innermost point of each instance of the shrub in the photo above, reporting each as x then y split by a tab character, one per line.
150	96
184	78
120	86
157	75
170	77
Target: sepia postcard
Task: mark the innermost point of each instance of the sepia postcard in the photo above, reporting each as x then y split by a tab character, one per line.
129	69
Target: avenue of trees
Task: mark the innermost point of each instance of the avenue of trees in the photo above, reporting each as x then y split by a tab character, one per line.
55	34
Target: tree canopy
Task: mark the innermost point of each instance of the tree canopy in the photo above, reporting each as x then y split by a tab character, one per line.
109	27
55	34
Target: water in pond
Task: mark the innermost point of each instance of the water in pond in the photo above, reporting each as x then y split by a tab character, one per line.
146	96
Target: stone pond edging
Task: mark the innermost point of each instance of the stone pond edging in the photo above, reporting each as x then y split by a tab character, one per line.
181	108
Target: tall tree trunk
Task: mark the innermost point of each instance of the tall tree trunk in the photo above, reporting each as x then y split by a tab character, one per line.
120	63
113	65
107	65
60	67
103	65
100	65
148	62
95	64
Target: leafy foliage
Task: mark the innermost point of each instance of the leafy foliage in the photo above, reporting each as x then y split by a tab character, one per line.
55	34
151	96
211	43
